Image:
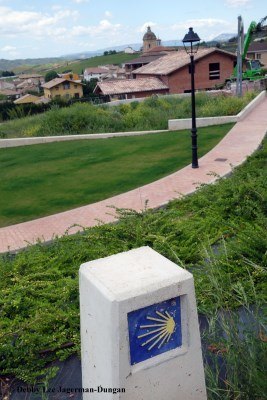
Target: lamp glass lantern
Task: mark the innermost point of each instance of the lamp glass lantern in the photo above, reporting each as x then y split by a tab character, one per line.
191	42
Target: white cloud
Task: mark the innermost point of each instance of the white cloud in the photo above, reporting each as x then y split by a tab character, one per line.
33	23
108	14
8	48
143	28
104	26
11	51
80	1
237	3
199	23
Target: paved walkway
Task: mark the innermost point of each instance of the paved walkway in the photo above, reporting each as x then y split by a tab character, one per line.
243	139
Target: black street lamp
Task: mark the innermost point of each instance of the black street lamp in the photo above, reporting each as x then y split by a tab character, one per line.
190	38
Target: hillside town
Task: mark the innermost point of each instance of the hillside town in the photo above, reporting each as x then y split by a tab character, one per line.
157	70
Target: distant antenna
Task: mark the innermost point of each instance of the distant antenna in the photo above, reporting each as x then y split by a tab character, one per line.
240	43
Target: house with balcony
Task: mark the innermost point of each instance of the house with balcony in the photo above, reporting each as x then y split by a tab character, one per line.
62	88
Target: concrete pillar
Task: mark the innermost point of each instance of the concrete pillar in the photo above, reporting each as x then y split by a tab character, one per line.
139	329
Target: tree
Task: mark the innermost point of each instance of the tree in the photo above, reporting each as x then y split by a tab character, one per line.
51	75
89	87
7	73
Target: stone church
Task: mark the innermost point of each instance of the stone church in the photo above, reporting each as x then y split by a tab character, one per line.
150	40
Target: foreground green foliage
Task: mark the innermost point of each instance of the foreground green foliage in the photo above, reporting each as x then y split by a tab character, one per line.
39	287
235	341
72	174
152	114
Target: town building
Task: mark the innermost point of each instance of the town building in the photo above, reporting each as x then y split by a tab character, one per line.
258	51
71	76
10	94
94	73
131	88
129	50
212	67
64	88
29	76
150	40
26	99
146	58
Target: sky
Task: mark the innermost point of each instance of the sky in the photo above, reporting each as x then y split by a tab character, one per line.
52	28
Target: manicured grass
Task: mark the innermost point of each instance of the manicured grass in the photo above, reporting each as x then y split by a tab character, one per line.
45	179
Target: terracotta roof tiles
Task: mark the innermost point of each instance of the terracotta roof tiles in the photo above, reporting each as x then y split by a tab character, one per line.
121	86
173	61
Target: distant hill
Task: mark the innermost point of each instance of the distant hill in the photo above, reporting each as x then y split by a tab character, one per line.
224	37
6	65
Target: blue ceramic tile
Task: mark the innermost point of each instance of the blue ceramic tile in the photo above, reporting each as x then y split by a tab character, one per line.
155	329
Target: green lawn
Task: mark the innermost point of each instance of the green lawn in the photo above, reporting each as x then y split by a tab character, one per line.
41	180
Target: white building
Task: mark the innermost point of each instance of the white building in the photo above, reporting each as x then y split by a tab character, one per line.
129	50
95	73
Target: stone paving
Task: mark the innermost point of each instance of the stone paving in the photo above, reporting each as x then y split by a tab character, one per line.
243	139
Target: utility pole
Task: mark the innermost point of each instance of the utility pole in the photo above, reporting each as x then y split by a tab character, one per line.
240	42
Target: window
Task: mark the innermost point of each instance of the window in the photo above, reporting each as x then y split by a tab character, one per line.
258	56
75	86
57	87
76	95
214	71
66	86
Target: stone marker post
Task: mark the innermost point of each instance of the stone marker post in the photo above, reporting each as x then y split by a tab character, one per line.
139	329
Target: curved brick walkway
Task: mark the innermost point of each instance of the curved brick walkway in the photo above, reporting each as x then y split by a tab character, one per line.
243	139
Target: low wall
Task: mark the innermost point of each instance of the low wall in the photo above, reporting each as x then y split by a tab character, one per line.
16	142
179	124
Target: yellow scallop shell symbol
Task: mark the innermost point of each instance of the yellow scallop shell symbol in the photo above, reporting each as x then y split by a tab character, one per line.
162	329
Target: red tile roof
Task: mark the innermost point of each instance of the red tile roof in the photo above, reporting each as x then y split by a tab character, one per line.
121	86
175	60
257	47
96	70
58	81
